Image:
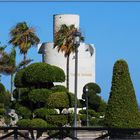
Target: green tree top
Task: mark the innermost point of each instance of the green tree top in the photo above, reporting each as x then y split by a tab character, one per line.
122	110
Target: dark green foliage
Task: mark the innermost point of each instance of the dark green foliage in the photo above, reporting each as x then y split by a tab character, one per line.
43	112
24	112
59	88
92	88
2	88
94	100
102	106
38	74
91	112
61	100
39	95
18	81
40	123
2	111
122	109
97	122
24	123
83	119
5	98
57	120
21	93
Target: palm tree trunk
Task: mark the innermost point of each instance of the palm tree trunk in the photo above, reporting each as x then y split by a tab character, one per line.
68	72
25	55
12	77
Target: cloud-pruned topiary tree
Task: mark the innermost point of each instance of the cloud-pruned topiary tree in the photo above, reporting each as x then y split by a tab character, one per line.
61	100
122	110
39	74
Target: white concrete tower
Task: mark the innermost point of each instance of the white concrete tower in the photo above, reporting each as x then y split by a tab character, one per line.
86	56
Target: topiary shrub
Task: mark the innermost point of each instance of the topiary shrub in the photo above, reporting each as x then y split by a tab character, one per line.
91	112
57	120
59	88
25	123
21	93
18	80
39	95
122	110
40	73
61	100
24	112
94	99
38	123
2	111
5	98
43	112
2	88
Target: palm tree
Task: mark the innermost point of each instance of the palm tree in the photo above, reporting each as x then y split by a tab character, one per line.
64	43
24	37
8	64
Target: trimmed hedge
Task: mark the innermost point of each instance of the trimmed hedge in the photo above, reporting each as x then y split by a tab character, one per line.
21	93
18	81
38	123
32	123
43	112
91	112
39	73
57	120
24	112
61	100
122	110
2	88
59	88
24	123
39	95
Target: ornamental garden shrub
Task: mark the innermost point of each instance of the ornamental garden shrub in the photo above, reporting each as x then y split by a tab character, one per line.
61	100
39	96
37	89
38	74
2	88
24	112
59	88
18	80
122	110
43	112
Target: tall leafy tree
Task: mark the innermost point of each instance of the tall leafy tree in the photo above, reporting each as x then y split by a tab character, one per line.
24	37
122	110
64	43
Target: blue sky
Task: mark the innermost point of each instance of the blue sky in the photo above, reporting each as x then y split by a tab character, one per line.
114	28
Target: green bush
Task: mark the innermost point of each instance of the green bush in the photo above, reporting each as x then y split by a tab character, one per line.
43	112
24	123
18	81
34	123
91	112
96	122
2	111
122	110
24	112
59	88
21	93
2	88
1	105
39	95
57	120
40	73
5	98
94	99
83	118
40	123
61	100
